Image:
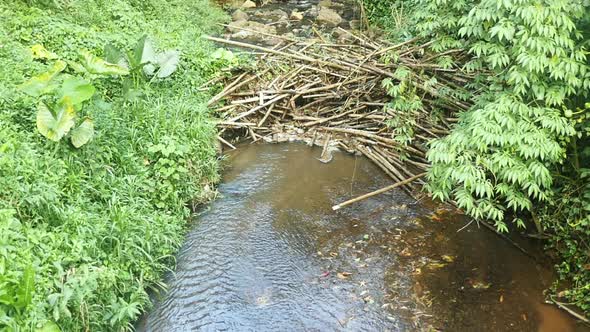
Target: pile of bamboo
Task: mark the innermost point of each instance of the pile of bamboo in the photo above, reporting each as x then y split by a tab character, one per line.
332	95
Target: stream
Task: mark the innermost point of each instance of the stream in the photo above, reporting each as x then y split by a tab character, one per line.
270	255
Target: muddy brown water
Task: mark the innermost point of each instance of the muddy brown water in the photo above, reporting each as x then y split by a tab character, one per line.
271	255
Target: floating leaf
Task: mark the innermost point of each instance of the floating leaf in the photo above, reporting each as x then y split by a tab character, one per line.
43	83
96	65
55	127
83	134
77	89
39	52
168	62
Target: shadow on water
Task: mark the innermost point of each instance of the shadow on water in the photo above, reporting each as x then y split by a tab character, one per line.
271	255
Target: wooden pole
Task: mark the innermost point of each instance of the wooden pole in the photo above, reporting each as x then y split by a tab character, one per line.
377	192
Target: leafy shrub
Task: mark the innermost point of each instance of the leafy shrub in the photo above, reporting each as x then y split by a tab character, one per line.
499	155
525	141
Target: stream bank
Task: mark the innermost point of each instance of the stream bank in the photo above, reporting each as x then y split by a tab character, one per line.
270	254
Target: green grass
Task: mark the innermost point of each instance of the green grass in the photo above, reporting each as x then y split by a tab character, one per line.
84	233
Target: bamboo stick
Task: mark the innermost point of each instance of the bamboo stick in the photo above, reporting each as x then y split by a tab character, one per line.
377	192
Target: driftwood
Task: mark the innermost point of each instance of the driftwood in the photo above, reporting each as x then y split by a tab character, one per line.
332	94
377	192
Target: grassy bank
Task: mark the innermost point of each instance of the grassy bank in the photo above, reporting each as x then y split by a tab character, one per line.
84	232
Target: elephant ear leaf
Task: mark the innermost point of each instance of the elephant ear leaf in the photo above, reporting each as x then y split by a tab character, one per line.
43	83
168	62
148	57
78	89
96	65
83	134
55	127
39	52
112	54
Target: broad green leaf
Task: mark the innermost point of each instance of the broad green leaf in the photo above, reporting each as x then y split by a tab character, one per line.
55	127
83	134
138	50
77	89
112	54
148	54
96	65
223	54
43	83
78	68
168	62
49	327
144	53
39	52
26	287
148	57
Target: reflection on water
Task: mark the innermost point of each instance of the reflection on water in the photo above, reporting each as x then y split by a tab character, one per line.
271	255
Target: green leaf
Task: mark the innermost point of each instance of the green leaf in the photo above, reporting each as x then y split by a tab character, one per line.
78	68
77	89
112	54
55	127
148	54
83	134
96	65
224	55
168	62
26	288
145	54
39	52
49	327
144	51
43	84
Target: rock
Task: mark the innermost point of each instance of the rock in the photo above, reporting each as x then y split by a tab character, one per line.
254	31
262	28
277	13
311	12
296	16
248	4
234	4
239	15
235	26
325	3
328	17
283	23
341	35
